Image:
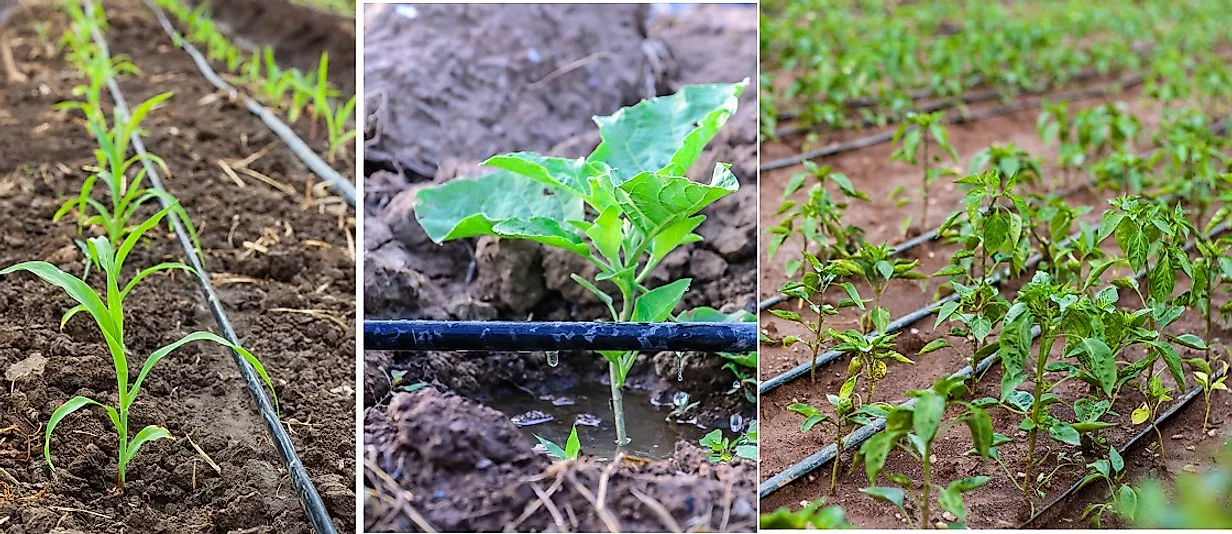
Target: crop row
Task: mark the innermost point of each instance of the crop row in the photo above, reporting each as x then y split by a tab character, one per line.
1083	296
291	90
836	55
111	202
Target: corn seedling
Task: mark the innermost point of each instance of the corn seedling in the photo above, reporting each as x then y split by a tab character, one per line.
634	181
107	310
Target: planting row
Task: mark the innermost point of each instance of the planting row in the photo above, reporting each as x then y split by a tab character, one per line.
1114	330
826	58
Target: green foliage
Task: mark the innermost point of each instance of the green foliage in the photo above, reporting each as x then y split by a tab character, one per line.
811	290
817	220
107	310
811	516
913	138
868	356
634	181
1197	500
573	446
878	266
723	449
913	428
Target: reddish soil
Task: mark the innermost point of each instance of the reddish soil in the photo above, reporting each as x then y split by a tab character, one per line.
477	112
259	243
870	171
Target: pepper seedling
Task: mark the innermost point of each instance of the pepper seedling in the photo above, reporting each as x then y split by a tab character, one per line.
108	313
913	138
811	289
914	428
634	181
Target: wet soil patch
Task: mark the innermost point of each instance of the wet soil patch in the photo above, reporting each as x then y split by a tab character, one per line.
272	258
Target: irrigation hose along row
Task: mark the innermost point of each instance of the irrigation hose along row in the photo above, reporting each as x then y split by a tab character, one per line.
862	434
896	325
1124	449
336	181
318	517
885	137
553	336
932	234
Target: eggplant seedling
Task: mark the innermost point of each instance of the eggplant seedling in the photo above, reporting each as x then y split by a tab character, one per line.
634	182
107	310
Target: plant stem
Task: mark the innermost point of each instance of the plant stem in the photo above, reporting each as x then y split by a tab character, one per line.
838	451
1041	362
618	405
927	486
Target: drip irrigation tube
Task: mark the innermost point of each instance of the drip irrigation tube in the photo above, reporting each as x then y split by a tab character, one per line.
862	434
318	516
885	137
336	181
1124	449
894	326
523	336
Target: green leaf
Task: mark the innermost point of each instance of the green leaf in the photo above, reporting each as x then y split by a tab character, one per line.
1190	340
875	450
655	305
651	200
926	418
606	234
894	496
464	208
980	424
146	435
1064	432
1015	346
572	175
934	345
554	450
573	446
996	228
1097	357
70	406
665	134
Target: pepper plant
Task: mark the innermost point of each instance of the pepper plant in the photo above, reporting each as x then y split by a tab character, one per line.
642	205
847	411
868	356
914	428
811	289
817	220
1209	381
107	310
913	139
878	266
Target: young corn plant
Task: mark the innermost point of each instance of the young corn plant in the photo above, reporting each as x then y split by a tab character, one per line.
914	428
127	194
107	310
811	289
913	138
635	184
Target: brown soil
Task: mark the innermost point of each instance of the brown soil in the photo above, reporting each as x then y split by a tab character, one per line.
784	444
298	34
258	244
459	109
462	467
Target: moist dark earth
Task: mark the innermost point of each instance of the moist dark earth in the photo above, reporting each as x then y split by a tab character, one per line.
491	79
283	267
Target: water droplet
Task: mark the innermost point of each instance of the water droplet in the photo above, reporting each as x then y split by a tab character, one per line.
679	366
736	422
553	358
680	398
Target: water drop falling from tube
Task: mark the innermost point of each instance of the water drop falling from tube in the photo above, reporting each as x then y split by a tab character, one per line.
553	358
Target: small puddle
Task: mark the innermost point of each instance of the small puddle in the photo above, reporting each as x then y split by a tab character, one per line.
652	436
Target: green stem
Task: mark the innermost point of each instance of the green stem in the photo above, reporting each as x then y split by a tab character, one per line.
1036	405
927	486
